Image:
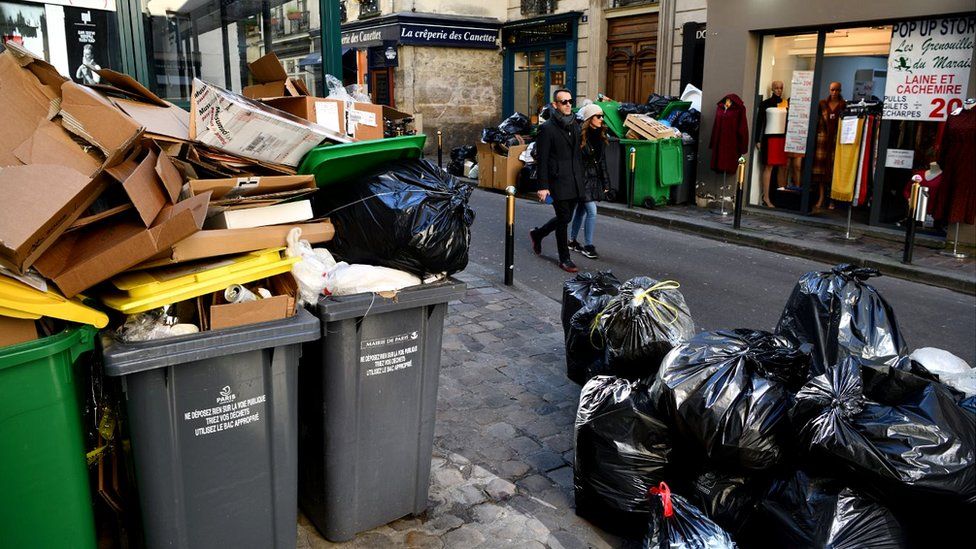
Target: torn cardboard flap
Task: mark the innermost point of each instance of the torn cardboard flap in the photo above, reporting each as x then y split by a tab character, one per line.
83	258
51	144
130	86
89	115
25	102
39	203
168	174
272	80
170	122
250	186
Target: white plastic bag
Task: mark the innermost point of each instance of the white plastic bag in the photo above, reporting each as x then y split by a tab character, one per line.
346	279
952	370
528	155
310	272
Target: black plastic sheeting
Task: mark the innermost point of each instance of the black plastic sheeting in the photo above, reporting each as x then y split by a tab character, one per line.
410	215
841	315
677	524
728	393
904	435
642	323
622	450
582	289
803	511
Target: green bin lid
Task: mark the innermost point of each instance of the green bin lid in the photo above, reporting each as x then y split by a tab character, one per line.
338	163
612	118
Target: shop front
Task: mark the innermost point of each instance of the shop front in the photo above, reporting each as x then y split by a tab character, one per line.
841	115
540	57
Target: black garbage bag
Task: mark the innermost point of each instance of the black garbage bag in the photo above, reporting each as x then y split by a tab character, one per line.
803	511
657	103
582	288
622	450
528	178
456	168
642	323
409	215
688	122
901	435
625	109
841	315
728	498
728	393
465	152
516	123
586	352
494	135
676	523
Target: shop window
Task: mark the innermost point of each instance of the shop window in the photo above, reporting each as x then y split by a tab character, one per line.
214	40
629	3
538	73
538	7
369	8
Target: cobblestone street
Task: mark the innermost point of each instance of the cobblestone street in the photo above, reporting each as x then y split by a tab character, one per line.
502	471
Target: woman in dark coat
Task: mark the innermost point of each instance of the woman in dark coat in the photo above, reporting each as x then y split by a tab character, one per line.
593	140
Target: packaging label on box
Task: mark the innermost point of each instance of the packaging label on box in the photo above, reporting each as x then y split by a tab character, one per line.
327	114
362	117
389	354
229	413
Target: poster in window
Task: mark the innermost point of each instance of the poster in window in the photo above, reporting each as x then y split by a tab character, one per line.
25	25
89	36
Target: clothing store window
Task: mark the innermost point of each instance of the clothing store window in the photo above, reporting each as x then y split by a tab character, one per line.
214	40
537	74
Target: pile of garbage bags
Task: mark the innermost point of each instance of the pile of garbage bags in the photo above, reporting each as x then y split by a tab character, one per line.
407	215
517	129
458	156
823	433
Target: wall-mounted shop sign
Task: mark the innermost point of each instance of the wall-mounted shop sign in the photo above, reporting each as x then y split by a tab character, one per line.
421	31
928	68
521	34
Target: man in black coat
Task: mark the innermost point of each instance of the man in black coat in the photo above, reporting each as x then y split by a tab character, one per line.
557	150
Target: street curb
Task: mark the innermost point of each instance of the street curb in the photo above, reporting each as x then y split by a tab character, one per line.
793	247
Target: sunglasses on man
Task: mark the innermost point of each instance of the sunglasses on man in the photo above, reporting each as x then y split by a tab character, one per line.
564	101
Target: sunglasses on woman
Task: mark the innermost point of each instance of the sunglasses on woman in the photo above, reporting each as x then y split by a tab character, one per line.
600	116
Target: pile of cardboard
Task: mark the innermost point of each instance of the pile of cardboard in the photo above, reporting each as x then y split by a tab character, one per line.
101	180
642	126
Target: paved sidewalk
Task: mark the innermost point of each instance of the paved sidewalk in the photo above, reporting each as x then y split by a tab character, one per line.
502	472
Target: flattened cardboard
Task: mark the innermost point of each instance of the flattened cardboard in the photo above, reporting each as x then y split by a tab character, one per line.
91	116
168	174
251	312
215	243
332	114
486	165
81	259
51	144
272	80
250	186
16	330
130	86
39	203
170	122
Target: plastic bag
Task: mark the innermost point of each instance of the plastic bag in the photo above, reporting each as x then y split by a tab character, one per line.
657	103
456	168
528	155
728	393
311	271
528	179
494	135
730	499
801	511
688	122
516	123
841	316
346	279
409	215
901	433
465	152
642	323
582	288
622	450
586	352
151	325
952	370
677	524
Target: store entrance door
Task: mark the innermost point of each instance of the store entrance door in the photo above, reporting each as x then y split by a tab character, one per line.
632	57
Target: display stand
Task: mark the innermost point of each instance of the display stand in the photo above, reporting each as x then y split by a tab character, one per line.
955	253
722	211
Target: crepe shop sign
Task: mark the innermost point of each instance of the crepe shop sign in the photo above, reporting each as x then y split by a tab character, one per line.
928	68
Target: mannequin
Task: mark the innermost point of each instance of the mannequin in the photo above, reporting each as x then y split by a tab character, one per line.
958	142
770	137
827	124
933	171
730	134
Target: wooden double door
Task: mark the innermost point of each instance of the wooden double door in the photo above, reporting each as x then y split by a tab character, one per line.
632	57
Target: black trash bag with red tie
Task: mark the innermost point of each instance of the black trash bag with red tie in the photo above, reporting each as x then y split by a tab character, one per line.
677	524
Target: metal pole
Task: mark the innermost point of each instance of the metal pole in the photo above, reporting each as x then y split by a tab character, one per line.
721	211
955	253
632	180
739	188
509	235
331	40
910	229
440	150
850	214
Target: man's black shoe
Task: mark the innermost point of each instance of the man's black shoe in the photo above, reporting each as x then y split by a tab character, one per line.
569	266
536	242
590	252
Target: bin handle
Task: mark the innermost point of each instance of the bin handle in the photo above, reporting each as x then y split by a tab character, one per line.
86	342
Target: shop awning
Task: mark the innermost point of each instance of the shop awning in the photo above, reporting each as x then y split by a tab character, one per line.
315	58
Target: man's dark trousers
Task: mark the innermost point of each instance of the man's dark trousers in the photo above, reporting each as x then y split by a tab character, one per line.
560	224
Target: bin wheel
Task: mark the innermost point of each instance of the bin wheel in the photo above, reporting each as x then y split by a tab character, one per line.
611	196
649	203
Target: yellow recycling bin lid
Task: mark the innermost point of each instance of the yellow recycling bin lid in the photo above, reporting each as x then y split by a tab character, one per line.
144	290
19	300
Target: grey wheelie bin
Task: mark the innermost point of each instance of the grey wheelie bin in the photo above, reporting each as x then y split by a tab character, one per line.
367	398
213	424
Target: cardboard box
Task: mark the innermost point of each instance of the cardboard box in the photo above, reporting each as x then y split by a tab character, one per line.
229	188
81	259
357	121
213	243
16	330
39	203
506	168
281	305
272	80
486	166
161	119
238	125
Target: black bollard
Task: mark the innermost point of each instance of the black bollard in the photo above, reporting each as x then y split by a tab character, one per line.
440	150
632	180
509	236
739	191
912	214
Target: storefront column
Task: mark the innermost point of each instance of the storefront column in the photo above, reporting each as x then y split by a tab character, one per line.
132	40
331	38
805	204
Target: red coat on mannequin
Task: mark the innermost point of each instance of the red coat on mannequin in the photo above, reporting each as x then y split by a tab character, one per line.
730	134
